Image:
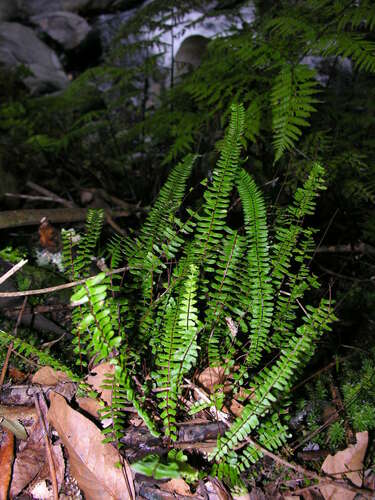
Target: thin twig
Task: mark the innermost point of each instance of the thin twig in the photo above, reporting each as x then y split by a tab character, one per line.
326	479
56	288
51	465
10	348
50	194
13	270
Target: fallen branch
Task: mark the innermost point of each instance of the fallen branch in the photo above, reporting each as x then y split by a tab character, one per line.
57	288
32	217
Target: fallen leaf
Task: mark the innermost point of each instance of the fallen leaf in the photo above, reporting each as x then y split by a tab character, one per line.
212	376
89	405
16	375
31	460
236	408
6	461
49	376
177	486
247	496
350	459
97	377
92	462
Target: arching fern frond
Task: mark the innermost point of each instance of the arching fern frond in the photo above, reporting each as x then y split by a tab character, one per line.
272	382
259	265
211	223
178	350
292	100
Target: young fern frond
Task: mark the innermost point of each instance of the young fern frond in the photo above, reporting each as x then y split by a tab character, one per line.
178	350
212	221
261	290
88	242
29	350
292	100
224	296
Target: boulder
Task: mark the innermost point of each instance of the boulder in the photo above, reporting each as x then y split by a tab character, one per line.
190	54
29	8
20	45
66	28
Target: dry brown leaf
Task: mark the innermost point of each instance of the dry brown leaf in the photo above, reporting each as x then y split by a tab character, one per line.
49	376
89	405
16	375
31	460
97	377
177	486
92	462
6	461
212	376
350	459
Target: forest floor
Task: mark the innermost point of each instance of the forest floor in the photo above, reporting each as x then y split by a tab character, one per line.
51	445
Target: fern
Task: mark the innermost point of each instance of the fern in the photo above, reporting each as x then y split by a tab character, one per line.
261	292
178	350
292	101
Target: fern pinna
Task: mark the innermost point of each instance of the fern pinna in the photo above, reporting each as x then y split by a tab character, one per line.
200	293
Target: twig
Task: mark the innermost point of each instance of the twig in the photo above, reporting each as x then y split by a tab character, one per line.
361	247
50	194
10	348
312	475
31	217
29	197
51	465
56	288
13	270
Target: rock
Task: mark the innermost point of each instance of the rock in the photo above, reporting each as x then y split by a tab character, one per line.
29	8
190	54
20	45
66	28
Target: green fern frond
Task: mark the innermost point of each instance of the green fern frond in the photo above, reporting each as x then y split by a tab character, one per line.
212	221
272	382
351	45
44	358
292	100
259	266
178	350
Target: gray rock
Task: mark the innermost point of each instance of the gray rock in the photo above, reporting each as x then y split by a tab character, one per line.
190	53
29	8
66	28
20	45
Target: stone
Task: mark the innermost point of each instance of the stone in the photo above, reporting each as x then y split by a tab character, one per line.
66	28
19	45
190	54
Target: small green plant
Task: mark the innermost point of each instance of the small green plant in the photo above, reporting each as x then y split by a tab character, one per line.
197	292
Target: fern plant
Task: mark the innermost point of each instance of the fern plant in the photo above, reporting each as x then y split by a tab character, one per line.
199	293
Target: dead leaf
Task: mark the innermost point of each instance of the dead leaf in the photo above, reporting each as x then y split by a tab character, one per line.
350	459
31	460
93	463
177	486
6	461
44	474
89	405
97	377
212	376
236	408
16	375
49	376
247	496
